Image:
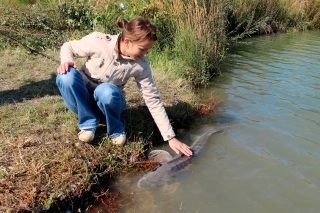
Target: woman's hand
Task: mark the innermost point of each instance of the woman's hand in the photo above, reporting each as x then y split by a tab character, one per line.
178	147
63	68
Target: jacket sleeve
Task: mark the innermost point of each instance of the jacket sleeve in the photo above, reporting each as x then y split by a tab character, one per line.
77	48
152	99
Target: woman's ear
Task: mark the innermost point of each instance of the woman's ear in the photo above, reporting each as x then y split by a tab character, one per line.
126	41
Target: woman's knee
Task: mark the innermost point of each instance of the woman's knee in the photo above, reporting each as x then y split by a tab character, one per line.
107	92
68	78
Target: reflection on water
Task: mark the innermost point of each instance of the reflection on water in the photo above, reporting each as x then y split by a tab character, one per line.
268	159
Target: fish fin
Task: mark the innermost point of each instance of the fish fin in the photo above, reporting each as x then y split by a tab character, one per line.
157	167
160	156
194	137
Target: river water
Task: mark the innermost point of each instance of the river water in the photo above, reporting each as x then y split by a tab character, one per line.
268	157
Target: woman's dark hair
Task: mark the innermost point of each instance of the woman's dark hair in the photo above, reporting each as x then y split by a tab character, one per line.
138	29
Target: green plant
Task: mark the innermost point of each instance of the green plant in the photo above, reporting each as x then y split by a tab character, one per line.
199	39
78	16
28	1
156	11
2	174
246	17
50	201
312	12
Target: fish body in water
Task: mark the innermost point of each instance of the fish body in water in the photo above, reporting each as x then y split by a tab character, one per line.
165	170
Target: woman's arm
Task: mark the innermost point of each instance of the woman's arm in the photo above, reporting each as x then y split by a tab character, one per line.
152	99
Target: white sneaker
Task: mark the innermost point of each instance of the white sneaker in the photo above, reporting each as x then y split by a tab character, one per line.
87	135
120	140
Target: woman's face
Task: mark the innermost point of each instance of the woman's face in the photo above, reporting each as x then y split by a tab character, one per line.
137	50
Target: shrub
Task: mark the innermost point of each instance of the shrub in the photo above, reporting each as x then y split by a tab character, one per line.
199	41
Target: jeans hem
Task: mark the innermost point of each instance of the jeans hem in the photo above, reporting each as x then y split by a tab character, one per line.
88	126
114	135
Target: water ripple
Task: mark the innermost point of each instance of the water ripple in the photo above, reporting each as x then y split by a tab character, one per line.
275	84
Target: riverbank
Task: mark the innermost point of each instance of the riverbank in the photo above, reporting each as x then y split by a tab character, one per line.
44	167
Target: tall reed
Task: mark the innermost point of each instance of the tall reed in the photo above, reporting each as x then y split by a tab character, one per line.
248	17
312	12
199	38
251	17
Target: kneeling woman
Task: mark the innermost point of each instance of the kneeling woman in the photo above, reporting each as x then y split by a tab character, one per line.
96	90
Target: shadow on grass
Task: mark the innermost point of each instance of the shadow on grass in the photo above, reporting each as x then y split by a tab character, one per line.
29	91
140	124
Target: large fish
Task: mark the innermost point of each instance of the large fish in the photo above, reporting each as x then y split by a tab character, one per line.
166	170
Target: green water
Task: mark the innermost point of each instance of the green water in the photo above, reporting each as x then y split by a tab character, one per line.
268	159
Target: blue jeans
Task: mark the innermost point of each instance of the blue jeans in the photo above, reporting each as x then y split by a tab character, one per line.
107	100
